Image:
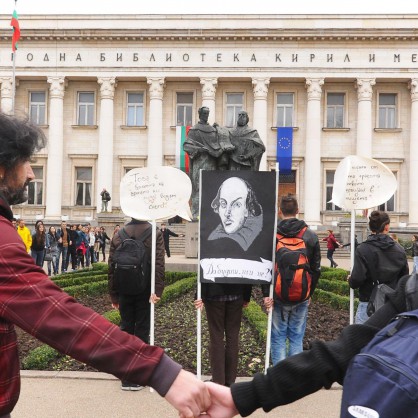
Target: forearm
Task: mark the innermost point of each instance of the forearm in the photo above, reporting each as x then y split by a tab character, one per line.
302	374
319	367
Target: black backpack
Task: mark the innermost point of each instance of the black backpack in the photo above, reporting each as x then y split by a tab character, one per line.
131	263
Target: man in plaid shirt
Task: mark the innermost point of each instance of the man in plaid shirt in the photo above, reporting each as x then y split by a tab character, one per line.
38	306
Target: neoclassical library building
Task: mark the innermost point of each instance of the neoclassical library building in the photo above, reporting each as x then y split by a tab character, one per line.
109	91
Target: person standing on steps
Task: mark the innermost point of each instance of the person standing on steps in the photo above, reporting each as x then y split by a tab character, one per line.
166	235
105	199
332	245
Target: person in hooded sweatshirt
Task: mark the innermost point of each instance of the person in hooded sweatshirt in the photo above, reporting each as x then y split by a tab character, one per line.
379	259
289	320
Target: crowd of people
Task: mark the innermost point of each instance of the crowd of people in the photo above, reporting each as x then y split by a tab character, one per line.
65	248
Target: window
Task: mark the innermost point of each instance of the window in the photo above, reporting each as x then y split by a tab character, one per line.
37	107
36	187
83	186
184	109
85	115
329	175
387	111
389	206
234	104
335	110
285	109
135	111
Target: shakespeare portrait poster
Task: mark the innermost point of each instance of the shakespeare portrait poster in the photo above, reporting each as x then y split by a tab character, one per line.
237	226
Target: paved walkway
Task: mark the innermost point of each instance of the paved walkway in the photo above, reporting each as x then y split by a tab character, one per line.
98	395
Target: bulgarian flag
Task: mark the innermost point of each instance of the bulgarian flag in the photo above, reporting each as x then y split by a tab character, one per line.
182	158
16	30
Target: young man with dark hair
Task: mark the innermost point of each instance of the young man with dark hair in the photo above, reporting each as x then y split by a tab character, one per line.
36	305
379	259
289	319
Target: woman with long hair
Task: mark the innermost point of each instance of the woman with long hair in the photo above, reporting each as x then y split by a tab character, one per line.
39	244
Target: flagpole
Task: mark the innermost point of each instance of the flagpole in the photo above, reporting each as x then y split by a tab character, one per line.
14	60
13	83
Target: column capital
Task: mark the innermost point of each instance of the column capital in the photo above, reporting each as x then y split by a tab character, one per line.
57	88
6	87
209	87
413	86
314	87
107	87
364	88
156	87
260	87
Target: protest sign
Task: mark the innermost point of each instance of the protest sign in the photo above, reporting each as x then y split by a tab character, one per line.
155	193
362	183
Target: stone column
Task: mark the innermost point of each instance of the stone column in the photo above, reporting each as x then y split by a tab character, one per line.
6	95
364	116
155	122
208	96
313	192
105	159
413	156
55	163
260	89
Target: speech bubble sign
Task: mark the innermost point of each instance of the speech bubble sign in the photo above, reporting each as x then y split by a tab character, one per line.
362	183
155	193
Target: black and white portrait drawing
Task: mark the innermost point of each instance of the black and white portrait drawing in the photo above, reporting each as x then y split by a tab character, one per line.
237	226
240	213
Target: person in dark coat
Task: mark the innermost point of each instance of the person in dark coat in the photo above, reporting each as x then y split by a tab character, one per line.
379	259
167	233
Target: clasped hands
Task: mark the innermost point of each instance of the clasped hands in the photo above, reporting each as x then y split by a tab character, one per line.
193	398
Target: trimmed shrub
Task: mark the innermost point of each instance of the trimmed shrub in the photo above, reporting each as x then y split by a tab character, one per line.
257	318
39	358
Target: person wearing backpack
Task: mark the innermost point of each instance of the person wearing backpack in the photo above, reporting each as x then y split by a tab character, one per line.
378	260
105	199
336	361
129	279
297	270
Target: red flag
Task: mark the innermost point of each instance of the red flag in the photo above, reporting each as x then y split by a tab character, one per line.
16	30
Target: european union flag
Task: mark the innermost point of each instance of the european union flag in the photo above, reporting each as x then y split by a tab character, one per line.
284	149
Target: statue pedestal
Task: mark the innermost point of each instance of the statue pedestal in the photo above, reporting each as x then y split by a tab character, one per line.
191	240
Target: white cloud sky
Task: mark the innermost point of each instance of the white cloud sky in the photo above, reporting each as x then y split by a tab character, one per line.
209	7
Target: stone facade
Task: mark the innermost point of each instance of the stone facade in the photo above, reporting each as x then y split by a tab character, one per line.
352	81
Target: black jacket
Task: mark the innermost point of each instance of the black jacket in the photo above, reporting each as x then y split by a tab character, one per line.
379	259
290	228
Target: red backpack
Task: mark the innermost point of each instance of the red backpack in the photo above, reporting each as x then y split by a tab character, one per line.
292	269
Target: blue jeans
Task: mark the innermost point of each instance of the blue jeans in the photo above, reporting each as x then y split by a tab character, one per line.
63	252
415	269
38	256
288	323
361	314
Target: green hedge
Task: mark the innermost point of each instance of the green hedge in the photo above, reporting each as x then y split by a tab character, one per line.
257	318
39	358
76	281
90	289
334	274
336	301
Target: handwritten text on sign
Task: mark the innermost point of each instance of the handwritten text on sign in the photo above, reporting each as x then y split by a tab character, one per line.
213	268
362	183
155	193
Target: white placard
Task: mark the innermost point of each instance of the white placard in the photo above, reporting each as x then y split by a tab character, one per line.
155	193
362	183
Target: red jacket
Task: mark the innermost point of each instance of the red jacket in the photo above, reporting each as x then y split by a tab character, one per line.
30	300
332	243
